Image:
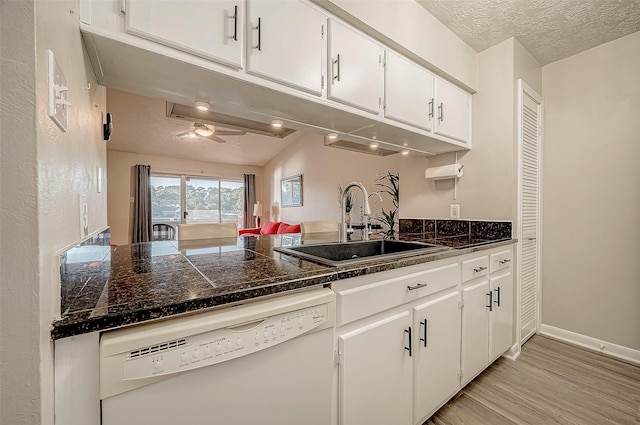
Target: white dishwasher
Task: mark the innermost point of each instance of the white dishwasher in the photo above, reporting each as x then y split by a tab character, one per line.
266	362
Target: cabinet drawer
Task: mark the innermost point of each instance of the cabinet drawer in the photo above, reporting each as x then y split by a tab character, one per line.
362	301
474	268
501	260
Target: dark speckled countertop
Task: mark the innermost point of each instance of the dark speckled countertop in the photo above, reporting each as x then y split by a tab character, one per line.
109	287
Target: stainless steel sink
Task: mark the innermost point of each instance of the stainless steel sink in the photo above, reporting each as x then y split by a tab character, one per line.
348	253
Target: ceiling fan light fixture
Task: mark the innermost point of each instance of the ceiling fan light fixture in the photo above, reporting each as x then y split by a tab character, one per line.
202	105
276	123
203	130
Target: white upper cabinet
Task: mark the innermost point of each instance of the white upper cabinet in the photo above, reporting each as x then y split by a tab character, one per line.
408	92
452	109
354	68
285	43
211	29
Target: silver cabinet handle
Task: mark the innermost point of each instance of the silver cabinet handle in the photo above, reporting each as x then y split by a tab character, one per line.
479	269
441	112
431	109
505	261
418	286
336	62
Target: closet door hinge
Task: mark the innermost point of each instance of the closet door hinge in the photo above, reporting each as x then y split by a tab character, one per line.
336	357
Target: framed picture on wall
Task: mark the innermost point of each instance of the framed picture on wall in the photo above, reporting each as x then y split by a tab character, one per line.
291	191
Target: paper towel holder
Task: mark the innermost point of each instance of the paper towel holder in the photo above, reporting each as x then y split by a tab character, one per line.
453	171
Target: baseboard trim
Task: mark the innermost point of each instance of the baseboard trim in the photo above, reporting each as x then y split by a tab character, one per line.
513	353
617	351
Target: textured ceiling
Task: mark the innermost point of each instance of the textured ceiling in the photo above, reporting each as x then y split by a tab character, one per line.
549	29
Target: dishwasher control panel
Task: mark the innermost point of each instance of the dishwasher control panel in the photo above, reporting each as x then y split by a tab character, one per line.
196	351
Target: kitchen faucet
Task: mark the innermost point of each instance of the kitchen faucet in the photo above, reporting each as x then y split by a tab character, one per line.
365	207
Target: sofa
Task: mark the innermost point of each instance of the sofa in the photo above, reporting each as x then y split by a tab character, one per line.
271	228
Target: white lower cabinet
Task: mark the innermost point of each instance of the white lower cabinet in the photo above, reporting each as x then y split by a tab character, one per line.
487	320
436	353
375	373
406	338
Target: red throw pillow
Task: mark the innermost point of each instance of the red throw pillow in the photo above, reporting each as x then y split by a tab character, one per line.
288	228
270	228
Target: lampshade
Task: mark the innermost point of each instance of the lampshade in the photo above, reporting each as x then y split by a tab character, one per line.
257	210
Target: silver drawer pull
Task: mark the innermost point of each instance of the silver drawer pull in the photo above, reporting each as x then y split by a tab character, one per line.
505	261
479	269
418	286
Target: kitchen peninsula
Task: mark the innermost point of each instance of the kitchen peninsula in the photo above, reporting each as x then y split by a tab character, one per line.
105	287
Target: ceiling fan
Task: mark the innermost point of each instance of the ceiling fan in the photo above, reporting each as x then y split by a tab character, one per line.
210	132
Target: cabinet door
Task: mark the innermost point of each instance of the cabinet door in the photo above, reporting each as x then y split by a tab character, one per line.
284	43
452	111
502	315
355	64
208	28
375	373
437	353
475	329
408	92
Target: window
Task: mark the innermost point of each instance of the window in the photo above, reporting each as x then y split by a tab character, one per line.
205	200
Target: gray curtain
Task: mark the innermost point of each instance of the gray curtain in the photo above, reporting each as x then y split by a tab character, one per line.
142	231
249	200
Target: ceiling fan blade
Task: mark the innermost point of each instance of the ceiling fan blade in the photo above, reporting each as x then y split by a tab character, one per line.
184	133
216	139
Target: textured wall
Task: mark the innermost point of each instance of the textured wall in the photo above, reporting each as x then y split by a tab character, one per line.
44	172
591	239
19	294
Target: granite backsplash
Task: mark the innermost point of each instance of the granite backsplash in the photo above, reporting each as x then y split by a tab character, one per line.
454	233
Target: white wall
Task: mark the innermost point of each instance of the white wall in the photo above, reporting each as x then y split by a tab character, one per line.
44	172
119	182
591	239
323	170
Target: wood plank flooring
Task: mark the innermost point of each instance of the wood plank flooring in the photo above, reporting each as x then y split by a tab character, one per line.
550	383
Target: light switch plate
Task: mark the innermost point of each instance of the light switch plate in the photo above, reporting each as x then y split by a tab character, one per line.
454	211
58	92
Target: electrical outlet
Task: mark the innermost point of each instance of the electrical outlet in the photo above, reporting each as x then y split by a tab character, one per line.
454	211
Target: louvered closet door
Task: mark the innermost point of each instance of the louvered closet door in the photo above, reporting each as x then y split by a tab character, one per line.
530	128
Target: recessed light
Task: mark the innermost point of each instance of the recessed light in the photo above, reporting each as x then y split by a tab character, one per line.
332	136
373	145
405	152
202	106
276	123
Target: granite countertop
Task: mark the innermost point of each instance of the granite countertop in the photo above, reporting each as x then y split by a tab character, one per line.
107	287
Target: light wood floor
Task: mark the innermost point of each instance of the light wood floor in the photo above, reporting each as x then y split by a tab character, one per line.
550	383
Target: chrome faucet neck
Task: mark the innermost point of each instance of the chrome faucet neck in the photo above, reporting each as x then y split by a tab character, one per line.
366	211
